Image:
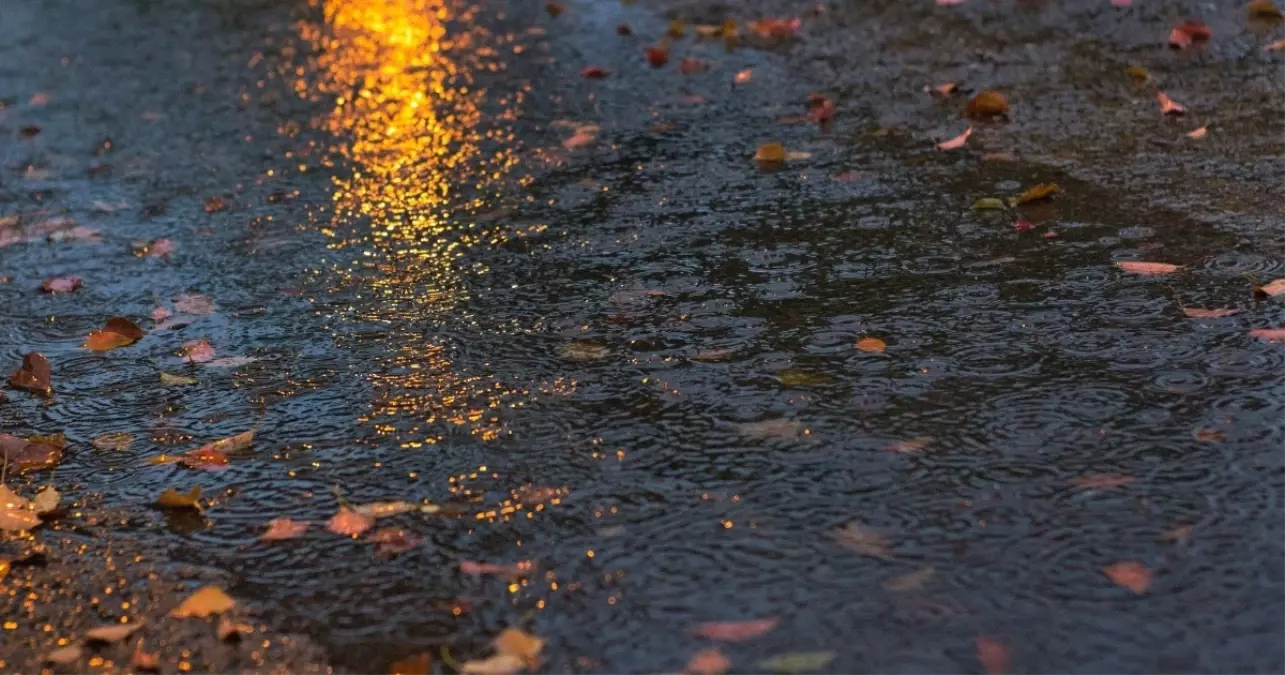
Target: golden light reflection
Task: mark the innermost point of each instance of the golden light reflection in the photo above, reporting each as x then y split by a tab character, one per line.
429	153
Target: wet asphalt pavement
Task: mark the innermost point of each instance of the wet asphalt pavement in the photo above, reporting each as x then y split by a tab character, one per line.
578	319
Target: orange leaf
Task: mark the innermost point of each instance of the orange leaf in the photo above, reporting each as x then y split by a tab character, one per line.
349	523
734	631
744	76
987	104
1036	193
1099	481
1188	32
1131	574
206	601
993	655
872	344
1198	133
1150	269
1269	334
1277	46
1274	288
776	29
117	332
956	142
283	528
1198	313
708	662
1168	106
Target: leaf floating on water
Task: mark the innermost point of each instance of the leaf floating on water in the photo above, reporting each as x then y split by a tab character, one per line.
770	153
744	76
987	104
197	351
989	203
513	572
46	501
384	509
112	632
781	427
194	303
33	376
61	284
240	441
1100	481
1036	193
792	377
956	142
993	655
1138	73
775	29
173	499
284	528
708	662
64	655
349	523
1198	133
872	345
498	664
1216	313
1130	574
394	540
1149	269
16	512
416	664
1188	32
555	9
797	662
36	453
911	445
206	601
1263	9
859	538
116	440
1168	106
734	631
171	380
911	581
117	332
1269	334
1273	288
593	72
205	458
1207	435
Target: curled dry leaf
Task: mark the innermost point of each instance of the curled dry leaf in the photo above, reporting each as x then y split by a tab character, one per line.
515	571
987	104
173	499
1149	269
206	601
33	376
1130	574
61	284
708	662
1168	106
956	142
1036	193
117	332
349	523
657	55
993	655
1269	334
112	632
284	528
1216	313
734	631
872	345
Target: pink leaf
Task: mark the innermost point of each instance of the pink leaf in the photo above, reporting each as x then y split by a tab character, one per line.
197	351
1269	334
1218	313
1168	106
956	142
993	655
1023	226
160	314
349	523
284	528
1274	288
1150	269
734	631
61	284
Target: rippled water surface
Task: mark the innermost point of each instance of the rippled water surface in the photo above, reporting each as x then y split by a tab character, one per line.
635	362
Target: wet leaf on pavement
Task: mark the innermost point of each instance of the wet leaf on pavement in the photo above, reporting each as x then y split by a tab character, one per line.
194	303
206	601
33	376
734	631
797	662
1145	268
117	332
112	632
1130	574
116	440
171	498
284	528
987	104
993	655
708	662
349	523
1036	193
862	539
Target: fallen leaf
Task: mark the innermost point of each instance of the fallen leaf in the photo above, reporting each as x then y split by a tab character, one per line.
349	523
872	344
284	528
1036	193
194	303
910	445
1263	9
394	540
1168	106
117	332
142	660
792	377
205	458
158	248
517	643
114	632
1207	435
1150	269
229	630
910	581
34	374
989	203
780	427
16	512
1100	481
1269	334
197	351
945	89
797	662
45	501
993	655
173	499
514	571
1187	32
1277	46
116	440
384	509
956	142
593	72
555	9
1129	574
657	55
498	664
215	204
1199	313
61	284
1198	133
846	177
160	313
240	441
415	664
691	66
775	29
1137	73
707	662
206	601
35	453
584	135
987	104
770	153
582	350
857	537
1273	288
744	76
1023	226
820	108
705	30
64	655
171	380
734	631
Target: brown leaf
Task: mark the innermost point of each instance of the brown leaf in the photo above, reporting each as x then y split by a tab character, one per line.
1263	9
118	332
349	523
1149	269
872	345
1100	481
36	453
945	89
734	631
1187	32
206	601
857	537
1198	133
415	664
993	655
1036	193
555	9
114	632
33	376
206	458
987	104
16	512
708	662
284	528
770	153
173	499
624	29
593	72
657	55
775	29
1130	574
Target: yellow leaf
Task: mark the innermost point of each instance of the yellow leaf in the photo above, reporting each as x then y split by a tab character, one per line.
500	664
520	644
384	509
676	29
112	632
770	153
173	499
1036	193
164	459
206	601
